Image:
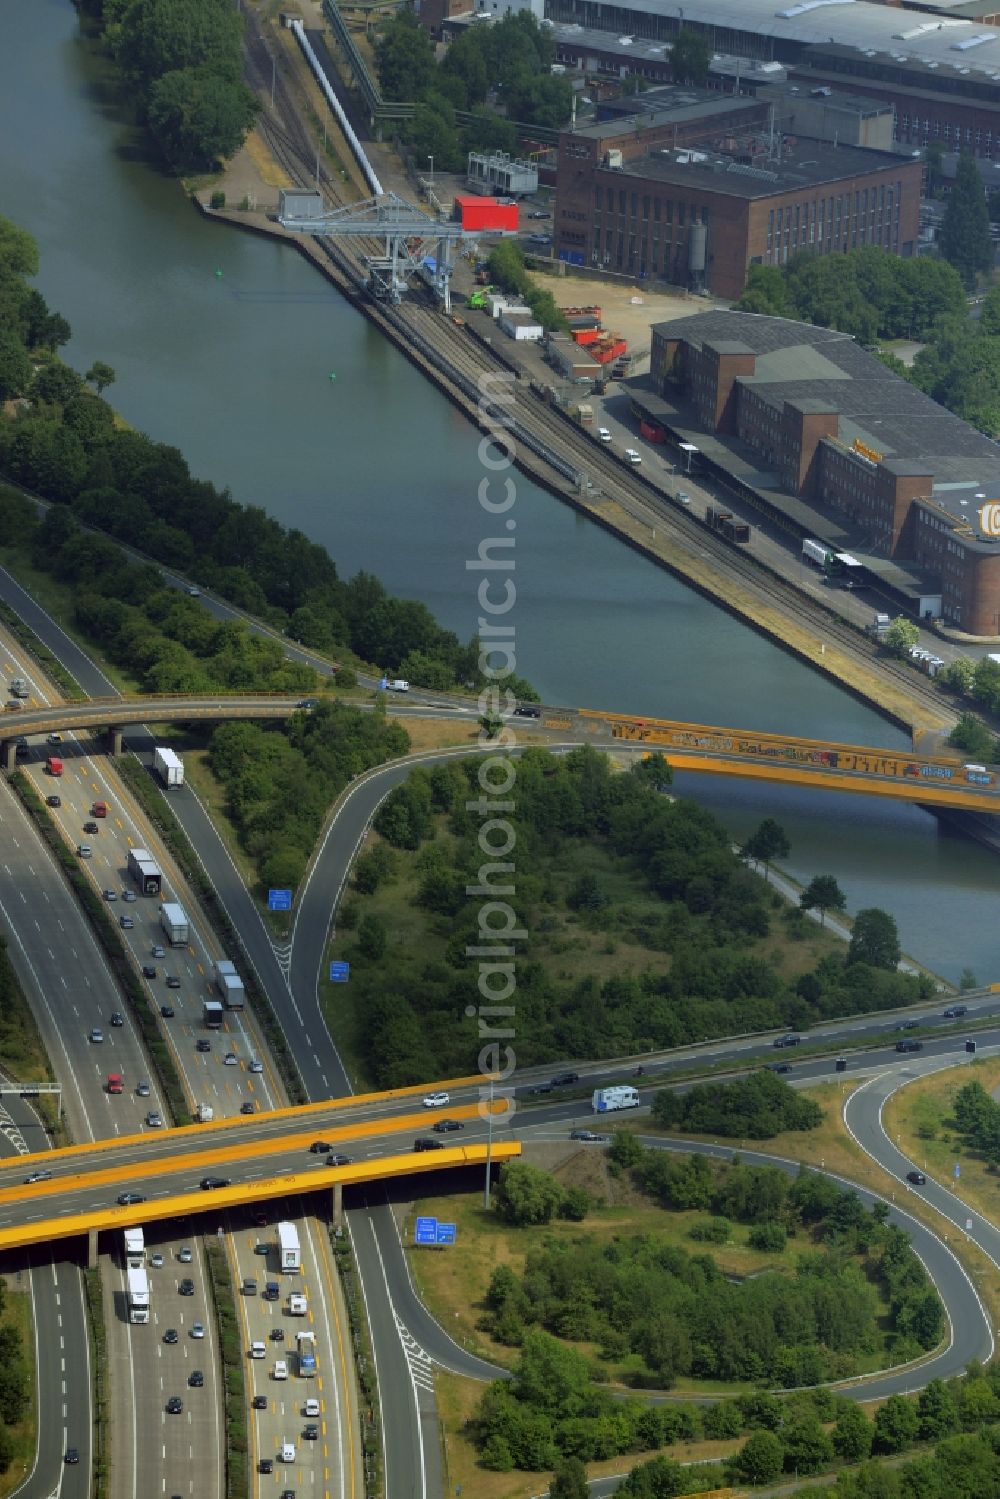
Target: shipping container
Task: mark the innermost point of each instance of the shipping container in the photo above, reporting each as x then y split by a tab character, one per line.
581	312
606	350
584	336
486	215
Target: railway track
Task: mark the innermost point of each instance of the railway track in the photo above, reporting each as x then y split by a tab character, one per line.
463	363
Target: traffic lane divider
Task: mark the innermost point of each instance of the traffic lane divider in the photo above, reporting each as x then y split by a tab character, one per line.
296	1184
218	1155
291	1111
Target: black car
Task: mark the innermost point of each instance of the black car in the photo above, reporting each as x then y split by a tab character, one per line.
203	1045
117	1018
954	1011
310	1432
917	1178
780	1067
340	1160
583	1134
167	1011
56	801
248	1107
277	1334
92	828
196	1379
148	971
186	1287
72	1455
308	702
526	710
173	982
447	1126
909	1046
320	1147
259	1402
210	1183
425	1144
261	1248
129	1199
565	1079
170	1336
541	1088
265	1465
175	1405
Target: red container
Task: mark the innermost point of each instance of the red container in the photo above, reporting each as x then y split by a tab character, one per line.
482	215
606	350
585	335
652	431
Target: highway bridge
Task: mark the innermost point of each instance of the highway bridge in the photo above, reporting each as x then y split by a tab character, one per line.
701	748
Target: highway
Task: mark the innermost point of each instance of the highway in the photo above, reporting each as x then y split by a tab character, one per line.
394	1310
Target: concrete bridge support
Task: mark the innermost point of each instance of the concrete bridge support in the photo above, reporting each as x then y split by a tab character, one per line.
337	1206
92	1249
9	754
115	735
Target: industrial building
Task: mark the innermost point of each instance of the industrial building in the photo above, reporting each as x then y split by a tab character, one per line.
940	71
701	186
807	427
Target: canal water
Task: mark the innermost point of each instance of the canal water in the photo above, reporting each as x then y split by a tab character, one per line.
224	344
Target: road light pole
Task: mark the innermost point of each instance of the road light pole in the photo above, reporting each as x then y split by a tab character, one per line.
489	1152
431	160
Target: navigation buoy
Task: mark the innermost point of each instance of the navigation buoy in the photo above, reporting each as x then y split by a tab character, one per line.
332	375
217	271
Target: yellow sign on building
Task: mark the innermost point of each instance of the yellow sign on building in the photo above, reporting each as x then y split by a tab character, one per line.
867	452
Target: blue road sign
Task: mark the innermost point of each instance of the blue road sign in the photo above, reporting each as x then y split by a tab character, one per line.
383	683
279	900
958	1170
446	1233
425	1231
339	973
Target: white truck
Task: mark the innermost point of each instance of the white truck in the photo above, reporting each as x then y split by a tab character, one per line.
607	1099
168	766
135	1248
138	1295
305	1343
205	1113
396	684
229	984
145	871
173	919
289	1249
297	1305
816	552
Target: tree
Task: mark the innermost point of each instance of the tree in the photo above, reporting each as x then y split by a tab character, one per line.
200	117
807	1446
971	735
526	1195
690	57
822	894
901	635
965	228
853	1434
874	939
661	1478
18	249
895	1425
404	57
761	1458
15	367
967	980
569	1481
768	842
937	1411
372	938
100	376
933	159
958	674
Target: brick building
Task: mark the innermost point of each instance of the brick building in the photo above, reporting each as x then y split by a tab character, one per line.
695	194
822	433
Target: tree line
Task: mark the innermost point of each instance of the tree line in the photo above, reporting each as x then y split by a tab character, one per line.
750	1108
662	1313
507	269
64	445
691	900
182	63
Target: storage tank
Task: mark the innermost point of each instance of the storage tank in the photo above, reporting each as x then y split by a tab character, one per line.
697	244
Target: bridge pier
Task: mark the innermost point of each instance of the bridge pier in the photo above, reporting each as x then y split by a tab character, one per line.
92	1249
337	1206
9	754
116	740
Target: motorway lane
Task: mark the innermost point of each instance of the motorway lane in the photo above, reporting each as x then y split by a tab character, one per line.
62	1371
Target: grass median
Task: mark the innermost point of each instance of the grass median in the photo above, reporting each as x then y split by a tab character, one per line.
233	1373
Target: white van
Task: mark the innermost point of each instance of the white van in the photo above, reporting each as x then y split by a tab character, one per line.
287	1452
311	1408
297	1305
280	1369
257	1350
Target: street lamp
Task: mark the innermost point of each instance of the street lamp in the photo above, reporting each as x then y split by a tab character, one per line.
489	1151
431	160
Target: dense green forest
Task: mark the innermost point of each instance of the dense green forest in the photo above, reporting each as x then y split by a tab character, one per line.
605	864
62	442
750	1108
856	1294
182	62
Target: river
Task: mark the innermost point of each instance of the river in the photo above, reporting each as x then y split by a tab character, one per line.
224	345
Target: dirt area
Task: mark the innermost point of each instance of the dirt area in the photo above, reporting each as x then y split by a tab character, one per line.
628	310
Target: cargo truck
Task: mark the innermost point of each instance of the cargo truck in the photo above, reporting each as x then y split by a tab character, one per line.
297	1305
135	1248
138	1295
815	551
212	1014
229	984
145	871
175	923
289	1251
53	766
168	766
205	1113
19	688
607	1099
305	1342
